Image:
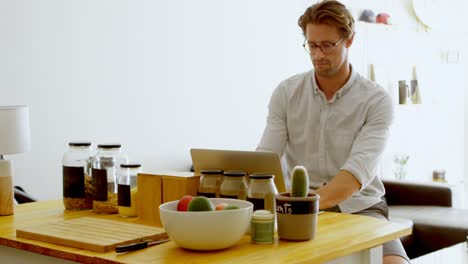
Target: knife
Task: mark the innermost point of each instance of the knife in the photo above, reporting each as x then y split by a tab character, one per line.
140	245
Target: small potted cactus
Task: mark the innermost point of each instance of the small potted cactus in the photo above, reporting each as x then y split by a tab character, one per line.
297	211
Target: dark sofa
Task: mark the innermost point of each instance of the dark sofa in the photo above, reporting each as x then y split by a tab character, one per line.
428	209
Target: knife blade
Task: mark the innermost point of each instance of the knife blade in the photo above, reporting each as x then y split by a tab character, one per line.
139	245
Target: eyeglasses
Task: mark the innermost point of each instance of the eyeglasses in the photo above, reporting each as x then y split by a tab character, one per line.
325	47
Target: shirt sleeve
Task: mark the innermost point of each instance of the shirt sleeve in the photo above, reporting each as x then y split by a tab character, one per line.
275	134
370	142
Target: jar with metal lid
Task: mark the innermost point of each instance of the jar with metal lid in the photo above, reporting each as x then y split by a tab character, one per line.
234	185
210	181
262	191
104	174
127	189
77	185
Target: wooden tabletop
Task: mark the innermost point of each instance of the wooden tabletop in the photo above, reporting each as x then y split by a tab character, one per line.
337	235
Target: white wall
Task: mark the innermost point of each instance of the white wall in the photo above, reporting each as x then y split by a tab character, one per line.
161	77
432	133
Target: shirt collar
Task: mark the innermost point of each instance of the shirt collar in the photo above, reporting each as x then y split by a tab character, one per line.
314	83
342	91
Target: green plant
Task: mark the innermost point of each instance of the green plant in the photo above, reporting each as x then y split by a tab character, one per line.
401	159
299	182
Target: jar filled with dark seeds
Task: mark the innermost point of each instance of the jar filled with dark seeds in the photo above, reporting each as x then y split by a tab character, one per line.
77	184
105	167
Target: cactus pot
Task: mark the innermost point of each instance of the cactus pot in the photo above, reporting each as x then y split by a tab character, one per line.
297	216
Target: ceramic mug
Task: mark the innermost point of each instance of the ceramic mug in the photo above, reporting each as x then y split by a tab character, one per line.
403	92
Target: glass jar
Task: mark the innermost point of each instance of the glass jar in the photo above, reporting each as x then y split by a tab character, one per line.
77	185
104	175
234	185
127	189
262	191
210	181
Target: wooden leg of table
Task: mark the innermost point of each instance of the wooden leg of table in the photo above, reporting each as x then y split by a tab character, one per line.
368	256
373	255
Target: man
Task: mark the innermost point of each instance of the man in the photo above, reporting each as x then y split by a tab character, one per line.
334	122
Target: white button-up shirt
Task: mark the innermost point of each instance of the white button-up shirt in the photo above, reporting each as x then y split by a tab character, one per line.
348	132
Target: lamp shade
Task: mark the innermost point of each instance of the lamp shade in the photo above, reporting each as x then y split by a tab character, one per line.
14	129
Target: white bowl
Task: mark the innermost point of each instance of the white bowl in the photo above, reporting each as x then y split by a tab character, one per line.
209	230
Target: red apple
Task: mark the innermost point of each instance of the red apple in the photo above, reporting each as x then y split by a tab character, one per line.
183	203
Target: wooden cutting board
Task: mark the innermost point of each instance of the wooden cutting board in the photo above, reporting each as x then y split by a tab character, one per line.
91	233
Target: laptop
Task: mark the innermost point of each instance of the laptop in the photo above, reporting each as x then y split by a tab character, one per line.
247	161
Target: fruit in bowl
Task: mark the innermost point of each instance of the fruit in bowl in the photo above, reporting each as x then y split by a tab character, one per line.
200	204
183	203
209	229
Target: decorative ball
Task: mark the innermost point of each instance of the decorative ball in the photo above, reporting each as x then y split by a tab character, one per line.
383	18
367	15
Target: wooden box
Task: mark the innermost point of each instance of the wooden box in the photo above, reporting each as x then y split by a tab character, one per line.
161	187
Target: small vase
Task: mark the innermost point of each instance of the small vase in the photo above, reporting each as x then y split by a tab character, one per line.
297	216
400	172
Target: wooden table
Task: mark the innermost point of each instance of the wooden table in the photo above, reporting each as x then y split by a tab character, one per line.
341	238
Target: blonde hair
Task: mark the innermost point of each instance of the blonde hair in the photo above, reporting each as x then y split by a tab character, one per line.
329	12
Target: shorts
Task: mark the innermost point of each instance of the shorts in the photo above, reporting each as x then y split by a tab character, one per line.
380	211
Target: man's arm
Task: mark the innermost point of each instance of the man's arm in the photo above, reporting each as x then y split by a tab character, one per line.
275	134
340	188
361	166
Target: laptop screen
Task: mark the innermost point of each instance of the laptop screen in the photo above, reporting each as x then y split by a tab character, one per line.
247	161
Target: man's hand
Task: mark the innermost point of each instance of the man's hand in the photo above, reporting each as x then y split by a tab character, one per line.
343	186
